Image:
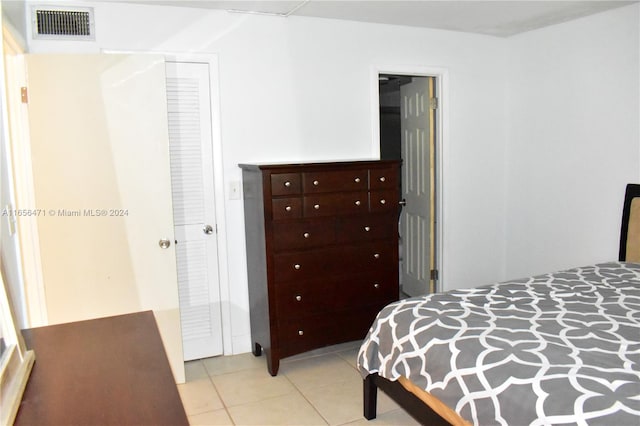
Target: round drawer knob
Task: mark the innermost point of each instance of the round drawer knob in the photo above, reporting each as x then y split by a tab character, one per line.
306	235
288	208
382	179
376	255
287	184
376	285
383	201
367	229
357	180
297	266
316	206
358	203
300	332
298	298
316	183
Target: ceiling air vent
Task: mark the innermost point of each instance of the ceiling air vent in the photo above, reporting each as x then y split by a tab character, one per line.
63	23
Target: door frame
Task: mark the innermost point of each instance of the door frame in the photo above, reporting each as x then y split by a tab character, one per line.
28	234
441	136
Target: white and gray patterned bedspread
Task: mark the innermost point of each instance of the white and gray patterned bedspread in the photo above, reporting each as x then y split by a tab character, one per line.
560	348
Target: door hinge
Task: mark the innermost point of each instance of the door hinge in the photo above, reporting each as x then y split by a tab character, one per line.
433	103
24	95
434	274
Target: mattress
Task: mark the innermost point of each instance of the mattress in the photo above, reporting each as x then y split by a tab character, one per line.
557	348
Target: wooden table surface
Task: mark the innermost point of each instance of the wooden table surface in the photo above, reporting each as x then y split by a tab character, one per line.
107	371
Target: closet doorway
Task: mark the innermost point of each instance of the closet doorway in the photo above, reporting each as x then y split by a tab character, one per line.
408	107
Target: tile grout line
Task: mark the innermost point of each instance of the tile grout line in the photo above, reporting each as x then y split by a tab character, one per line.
217	393
224	404
306	399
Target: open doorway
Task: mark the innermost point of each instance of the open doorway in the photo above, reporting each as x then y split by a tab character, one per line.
408	106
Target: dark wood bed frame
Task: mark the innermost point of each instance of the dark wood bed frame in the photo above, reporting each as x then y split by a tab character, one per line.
408	401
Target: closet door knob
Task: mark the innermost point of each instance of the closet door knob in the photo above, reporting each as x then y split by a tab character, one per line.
376	255
316	206
297	266
383	201
376	285
316	183
300	332
357	180
288	208
382	179
306	235
298	298
358	203
287	184
367	229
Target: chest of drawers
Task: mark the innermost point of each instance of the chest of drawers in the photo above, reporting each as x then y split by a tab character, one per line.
322	252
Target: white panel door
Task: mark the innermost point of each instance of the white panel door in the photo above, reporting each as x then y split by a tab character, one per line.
100	158
191	154
415	219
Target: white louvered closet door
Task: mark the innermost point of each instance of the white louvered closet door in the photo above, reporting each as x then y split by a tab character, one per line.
191	154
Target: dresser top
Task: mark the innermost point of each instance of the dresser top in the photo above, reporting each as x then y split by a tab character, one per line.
107	371
317	164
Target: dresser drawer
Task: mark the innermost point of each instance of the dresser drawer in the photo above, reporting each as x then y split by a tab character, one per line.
312	264
335	292
335	180
367	288
304	265
374	257
384	178
297	299
286	208
314	331
285	184
366	228
384	200
301	334
339	203
303	234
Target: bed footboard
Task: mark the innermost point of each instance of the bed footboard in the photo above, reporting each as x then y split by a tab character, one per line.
408	401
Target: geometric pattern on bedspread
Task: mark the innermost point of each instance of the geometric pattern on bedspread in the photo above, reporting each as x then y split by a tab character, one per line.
560	348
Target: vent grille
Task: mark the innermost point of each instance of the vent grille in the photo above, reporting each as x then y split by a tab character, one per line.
74	24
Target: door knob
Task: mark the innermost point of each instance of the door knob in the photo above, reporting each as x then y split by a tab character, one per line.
164	243
208	229
402	202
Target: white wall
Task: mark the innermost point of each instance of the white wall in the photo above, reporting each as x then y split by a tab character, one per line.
573	140
298	89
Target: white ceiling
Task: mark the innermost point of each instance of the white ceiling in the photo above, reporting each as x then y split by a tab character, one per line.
497	18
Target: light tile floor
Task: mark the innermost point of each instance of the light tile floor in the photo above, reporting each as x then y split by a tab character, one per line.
321	387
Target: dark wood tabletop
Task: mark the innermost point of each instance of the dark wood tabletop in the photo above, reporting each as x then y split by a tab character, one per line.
107	371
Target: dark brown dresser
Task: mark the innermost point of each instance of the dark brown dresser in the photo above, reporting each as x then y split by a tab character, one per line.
105	371
322	252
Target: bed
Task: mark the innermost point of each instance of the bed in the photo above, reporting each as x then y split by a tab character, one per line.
557	348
